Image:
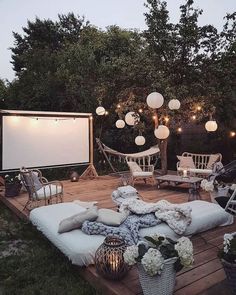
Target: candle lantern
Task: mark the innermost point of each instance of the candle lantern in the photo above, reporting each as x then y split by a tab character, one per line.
74	177
109	261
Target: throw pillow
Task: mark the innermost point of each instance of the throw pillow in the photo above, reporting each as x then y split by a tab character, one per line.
134	167
186	162
110	217
31	179
76	221
212	160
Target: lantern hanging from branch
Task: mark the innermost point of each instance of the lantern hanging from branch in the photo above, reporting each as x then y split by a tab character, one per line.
174	104
211	125
140	140
109	260
100	111
162	132
120	124
155	100
132	118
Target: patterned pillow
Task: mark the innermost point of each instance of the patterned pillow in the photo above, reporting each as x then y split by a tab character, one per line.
134	167
186	162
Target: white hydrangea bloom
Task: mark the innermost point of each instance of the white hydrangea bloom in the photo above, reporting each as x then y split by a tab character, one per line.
203	184
226	243
130	255
207	185
184	247
152	262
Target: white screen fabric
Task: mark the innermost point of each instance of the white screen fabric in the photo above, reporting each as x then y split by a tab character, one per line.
44	141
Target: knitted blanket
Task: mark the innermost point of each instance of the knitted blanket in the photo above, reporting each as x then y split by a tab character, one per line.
176	216
128	230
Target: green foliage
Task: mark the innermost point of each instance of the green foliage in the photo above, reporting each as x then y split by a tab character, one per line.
35	266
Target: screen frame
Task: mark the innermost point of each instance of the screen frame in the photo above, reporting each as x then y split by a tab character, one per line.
53	115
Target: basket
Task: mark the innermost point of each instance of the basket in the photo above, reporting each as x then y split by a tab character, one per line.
230	271
163	284
12	189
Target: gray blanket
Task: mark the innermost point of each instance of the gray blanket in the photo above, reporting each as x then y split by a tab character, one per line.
128	230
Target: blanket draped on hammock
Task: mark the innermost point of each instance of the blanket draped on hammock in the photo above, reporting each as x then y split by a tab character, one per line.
177	217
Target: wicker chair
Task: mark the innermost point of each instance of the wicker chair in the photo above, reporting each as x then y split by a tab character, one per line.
40	190
140	171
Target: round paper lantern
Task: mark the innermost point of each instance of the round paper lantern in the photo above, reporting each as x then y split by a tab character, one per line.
211	126
162	132
174	104
155	100
120	124
131	118
100	111
140	140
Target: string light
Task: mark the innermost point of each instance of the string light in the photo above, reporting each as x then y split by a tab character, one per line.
167	119
118	106
194	117
154	117
179	129
232	133
74	120
106	113
56	121
199	108
140	111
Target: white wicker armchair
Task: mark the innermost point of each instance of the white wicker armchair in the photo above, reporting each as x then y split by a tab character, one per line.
140	171
39	189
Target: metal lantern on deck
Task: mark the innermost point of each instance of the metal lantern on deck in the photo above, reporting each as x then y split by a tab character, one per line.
120	124
140	140
174	104
109	261
100	111
211	126
74	177
155	100
131	118
162	132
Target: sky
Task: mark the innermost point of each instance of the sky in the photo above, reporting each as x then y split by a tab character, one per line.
101	13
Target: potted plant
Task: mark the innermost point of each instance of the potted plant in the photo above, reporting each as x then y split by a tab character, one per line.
228	258
12	185
158	260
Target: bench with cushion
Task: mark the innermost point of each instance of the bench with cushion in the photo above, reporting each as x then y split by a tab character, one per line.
197	164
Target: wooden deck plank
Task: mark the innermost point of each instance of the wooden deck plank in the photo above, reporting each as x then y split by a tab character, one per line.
206	271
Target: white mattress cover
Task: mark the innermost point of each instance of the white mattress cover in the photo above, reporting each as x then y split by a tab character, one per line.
80	248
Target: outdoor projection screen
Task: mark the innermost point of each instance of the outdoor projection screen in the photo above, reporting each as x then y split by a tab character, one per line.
44	141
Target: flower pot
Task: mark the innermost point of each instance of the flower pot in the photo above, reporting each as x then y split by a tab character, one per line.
162	284
12	189
230	271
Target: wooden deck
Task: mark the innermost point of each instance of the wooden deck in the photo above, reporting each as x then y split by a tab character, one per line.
205	277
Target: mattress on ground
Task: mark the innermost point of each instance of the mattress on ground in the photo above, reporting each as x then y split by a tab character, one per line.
80	248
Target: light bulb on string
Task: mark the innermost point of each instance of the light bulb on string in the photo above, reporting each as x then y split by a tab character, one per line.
199	108
194	117
179	129
232	134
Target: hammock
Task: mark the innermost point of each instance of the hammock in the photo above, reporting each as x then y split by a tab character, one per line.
144	157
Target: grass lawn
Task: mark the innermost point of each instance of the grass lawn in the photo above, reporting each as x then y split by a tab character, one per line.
30	265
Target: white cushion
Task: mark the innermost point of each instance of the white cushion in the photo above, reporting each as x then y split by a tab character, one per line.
46	191
134	167
143	173
80	248
110	217
186	162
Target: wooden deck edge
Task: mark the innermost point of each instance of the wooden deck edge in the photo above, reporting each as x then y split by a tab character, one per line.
107	287
15	210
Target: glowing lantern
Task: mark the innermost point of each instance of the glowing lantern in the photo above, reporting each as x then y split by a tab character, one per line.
155	100
140	140
211	126
174	104
100	111
131	118
120	124
162	132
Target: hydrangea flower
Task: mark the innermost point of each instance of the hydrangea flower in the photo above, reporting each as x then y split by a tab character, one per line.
184	247
153	261
130	255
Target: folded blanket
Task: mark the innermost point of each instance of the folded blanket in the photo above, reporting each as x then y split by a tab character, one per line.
128	230
177	217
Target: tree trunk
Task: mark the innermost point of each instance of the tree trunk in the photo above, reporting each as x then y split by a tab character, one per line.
163	154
